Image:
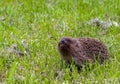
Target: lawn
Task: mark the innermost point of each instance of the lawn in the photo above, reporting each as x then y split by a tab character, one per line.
30	31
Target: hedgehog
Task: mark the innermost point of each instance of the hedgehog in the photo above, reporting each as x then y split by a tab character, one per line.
82	50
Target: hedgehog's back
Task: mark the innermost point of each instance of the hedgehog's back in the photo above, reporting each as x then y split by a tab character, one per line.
94	49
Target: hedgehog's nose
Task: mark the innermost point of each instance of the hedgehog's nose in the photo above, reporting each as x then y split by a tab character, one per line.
62	41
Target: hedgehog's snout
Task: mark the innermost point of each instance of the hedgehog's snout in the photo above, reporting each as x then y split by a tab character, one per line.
62	41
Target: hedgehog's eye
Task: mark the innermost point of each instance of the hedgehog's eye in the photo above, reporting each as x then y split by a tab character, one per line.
68	40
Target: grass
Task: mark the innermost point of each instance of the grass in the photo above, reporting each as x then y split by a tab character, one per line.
41	23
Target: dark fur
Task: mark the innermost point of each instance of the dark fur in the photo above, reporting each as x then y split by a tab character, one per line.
81	50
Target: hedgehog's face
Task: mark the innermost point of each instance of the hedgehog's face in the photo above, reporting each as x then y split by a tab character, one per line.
65	47
65	43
